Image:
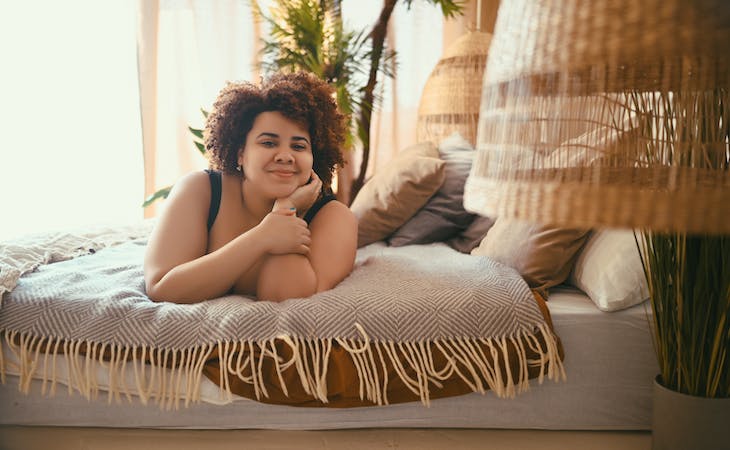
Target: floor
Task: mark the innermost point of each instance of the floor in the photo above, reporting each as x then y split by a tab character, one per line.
37	438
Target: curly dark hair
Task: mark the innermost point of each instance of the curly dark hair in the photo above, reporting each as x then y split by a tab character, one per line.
300	96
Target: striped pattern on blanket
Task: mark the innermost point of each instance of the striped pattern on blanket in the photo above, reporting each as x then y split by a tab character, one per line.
398	312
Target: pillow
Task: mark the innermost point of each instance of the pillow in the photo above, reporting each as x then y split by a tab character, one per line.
396	192
595	144
608	269
470	238
444	215
542	254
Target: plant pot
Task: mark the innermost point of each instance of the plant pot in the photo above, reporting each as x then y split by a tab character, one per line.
687	422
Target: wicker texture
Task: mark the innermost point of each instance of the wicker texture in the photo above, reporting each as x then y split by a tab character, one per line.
451	97
565	78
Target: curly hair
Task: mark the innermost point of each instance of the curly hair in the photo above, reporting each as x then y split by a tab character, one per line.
300	97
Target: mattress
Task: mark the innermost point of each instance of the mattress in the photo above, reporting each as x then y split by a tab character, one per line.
609	362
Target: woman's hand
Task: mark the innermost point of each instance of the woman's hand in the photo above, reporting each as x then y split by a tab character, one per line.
283	233
303	197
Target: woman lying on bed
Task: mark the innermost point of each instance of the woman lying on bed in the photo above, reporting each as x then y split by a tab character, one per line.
263	222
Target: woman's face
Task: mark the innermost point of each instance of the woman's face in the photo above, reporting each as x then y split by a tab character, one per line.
277	156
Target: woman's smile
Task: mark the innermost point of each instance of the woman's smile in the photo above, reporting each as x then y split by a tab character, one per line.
283	173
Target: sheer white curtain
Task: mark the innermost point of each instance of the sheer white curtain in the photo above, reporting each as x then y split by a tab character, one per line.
190	48
71	150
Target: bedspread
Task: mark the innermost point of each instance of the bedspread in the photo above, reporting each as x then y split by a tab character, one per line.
417	322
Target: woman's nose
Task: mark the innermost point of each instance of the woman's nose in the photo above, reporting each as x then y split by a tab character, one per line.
284	157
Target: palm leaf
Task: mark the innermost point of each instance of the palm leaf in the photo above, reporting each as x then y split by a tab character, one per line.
197	132
162	193
200	146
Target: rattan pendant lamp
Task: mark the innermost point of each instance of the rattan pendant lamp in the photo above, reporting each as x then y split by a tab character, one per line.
616	113
653	74
450	99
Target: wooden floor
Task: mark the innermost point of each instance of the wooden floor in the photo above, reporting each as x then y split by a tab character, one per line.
47	438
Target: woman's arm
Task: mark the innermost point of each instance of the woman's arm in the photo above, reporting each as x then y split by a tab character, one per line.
176	266
330	259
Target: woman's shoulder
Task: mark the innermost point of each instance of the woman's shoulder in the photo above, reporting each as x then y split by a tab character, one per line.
191	186
202	180
196	179
335	212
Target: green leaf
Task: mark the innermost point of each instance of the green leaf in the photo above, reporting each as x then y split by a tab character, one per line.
162	193
201	147
205	113
449	8
198	133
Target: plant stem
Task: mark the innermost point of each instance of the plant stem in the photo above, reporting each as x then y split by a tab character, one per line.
377	37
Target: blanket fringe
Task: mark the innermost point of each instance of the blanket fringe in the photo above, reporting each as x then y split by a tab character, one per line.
168	376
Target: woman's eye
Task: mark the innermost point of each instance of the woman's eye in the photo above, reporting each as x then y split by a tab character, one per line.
268	144
300	148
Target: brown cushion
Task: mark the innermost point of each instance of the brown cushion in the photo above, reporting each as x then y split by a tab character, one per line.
443	216
397	191
542	254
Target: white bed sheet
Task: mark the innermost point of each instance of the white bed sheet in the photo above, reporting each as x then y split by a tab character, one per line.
610	365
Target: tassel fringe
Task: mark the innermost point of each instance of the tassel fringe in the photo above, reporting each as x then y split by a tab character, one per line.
170	377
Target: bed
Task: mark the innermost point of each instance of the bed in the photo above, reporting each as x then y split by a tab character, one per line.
449	320
596	374
608	387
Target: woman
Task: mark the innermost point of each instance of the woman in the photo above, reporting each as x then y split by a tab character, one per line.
263	222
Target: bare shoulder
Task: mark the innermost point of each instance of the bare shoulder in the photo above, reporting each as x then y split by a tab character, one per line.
335	215
194	183
186	206
180	234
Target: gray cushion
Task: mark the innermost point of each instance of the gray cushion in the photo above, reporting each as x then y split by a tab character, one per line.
469	239
443	216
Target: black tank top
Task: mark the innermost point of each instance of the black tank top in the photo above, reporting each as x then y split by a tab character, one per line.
216	189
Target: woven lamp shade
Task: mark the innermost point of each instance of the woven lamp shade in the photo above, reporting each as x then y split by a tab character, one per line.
607	113
452	95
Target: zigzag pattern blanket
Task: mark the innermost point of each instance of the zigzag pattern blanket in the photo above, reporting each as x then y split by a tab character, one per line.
411	319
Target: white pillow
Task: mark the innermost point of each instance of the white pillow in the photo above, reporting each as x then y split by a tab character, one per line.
608	268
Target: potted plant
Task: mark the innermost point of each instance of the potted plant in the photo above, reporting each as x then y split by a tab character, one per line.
688	275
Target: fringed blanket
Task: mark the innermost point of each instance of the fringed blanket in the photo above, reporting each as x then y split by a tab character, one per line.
413	323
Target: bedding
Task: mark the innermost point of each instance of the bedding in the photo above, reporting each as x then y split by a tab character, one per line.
542	254
410	324
443	216
609	270
610	366
397	191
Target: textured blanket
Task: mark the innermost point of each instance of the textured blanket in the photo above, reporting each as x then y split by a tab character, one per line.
397	313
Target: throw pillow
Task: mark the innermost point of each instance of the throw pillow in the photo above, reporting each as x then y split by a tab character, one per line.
608	269
443	216
470	238
396	192
542	254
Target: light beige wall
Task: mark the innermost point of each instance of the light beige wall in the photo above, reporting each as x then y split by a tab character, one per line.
456	27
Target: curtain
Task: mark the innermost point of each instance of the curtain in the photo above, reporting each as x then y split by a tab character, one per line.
188	49
71	146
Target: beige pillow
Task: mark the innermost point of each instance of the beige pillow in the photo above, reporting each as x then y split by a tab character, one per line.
542	254
608	268
397	191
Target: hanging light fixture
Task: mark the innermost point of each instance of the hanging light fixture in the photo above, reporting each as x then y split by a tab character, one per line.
651	76
450	99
